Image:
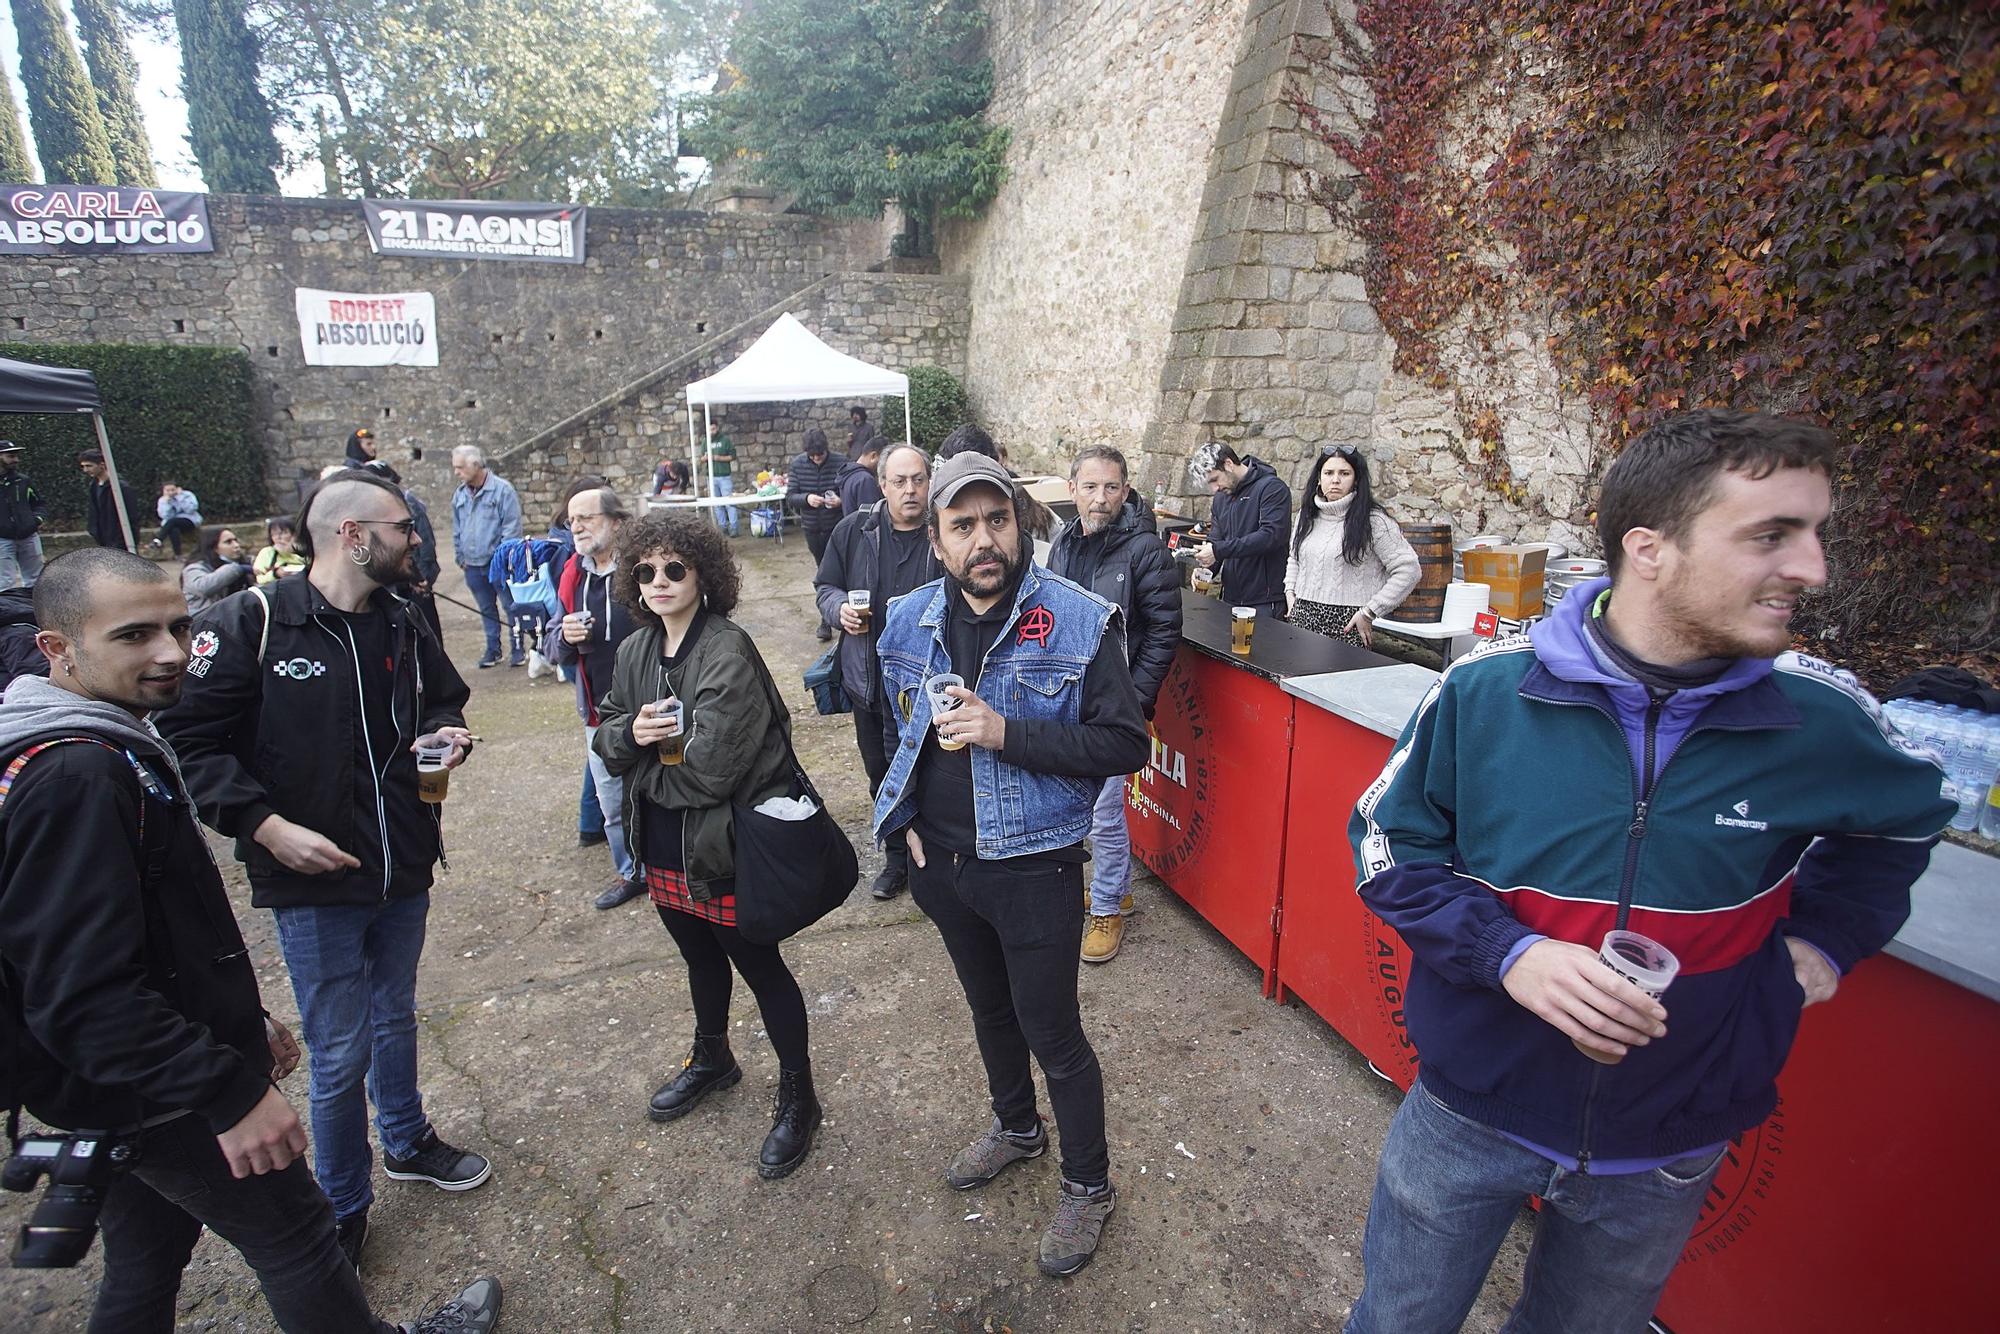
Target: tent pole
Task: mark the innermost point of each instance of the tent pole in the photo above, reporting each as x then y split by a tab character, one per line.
117	491
690	435
909	436
708	453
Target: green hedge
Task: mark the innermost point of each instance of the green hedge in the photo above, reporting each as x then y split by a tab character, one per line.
937	407
180	412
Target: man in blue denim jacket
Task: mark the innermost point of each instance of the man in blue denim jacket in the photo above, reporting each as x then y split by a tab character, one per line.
994	801
484	513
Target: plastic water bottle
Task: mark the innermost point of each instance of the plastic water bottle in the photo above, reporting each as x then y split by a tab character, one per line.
1973	770
1989	818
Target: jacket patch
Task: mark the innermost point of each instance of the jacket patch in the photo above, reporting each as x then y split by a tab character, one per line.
299	669
205	644
1037	624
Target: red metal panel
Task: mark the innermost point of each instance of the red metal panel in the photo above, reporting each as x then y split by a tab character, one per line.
1207	815
1333	953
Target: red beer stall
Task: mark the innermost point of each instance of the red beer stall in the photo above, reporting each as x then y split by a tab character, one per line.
1864	1203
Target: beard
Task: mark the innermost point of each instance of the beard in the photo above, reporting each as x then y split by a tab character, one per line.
985	571
1693	622
387	567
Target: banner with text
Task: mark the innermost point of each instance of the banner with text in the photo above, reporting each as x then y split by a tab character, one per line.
473	229
367	328
102	220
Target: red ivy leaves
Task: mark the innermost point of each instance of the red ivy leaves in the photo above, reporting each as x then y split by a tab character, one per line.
1755	204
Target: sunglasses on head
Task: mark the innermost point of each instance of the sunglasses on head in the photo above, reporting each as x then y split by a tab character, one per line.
645	572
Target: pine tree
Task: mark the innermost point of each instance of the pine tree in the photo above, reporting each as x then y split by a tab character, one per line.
14	166
229	122
111	70
62	106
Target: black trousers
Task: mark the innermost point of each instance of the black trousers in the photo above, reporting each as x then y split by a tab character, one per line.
816	542
710	949
281	1222
173	530
1013	937
875	760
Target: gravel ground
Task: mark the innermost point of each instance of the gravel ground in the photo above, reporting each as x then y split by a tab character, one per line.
1244	1134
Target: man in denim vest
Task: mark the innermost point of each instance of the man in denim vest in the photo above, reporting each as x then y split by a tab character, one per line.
993	800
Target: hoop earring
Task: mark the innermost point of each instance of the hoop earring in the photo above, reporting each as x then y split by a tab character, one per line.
359	555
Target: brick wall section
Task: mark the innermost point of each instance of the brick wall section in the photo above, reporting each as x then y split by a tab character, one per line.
892	320
520	345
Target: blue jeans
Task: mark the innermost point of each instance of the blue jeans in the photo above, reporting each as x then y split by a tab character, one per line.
354	972
589	815
494	606
610	800
726	517
20	561
1110	850
1448	1188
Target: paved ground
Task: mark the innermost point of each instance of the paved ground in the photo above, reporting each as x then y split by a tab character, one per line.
1244	1134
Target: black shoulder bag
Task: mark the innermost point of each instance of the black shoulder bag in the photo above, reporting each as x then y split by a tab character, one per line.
789	873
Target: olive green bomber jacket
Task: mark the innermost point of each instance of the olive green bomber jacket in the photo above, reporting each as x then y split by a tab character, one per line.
739	735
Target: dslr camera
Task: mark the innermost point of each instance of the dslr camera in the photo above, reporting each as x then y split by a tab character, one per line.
79	1169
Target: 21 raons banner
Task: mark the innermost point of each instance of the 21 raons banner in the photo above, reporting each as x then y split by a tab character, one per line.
475	229
367	328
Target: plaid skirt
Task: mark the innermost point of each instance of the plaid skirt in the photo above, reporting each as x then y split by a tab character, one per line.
669	889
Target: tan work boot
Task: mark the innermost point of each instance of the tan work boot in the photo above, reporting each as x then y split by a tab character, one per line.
1102	937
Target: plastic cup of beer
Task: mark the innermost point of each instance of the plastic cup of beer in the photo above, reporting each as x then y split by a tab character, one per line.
831	497
1640	960
673	747
1202	580
1242	624
942	704
862	600
433	779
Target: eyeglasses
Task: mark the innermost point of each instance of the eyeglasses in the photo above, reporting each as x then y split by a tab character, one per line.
645	572
403	526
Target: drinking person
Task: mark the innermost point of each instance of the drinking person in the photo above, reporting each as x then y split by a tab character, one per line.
1350	563
731	742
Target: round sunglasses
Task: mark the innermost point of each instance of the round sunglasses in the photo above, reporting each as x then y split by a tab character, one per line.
645	572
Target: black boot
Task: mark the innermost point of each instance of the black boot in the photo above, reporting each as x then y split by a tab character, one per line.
793	1123
709	1066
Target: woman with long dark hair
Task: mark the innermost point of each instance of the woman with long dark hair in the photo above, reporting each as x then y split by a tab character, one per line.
1350	563
693	724
215	570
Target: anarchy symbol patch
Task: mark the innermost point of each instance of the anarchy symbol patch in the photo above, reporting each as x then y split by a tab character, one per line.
1037	624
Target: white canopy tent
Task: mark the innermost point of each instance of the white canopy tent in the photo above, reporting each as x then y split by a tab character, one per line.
787	364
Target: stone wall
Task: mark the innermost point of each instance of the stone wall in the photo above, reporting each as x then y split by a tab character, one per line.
1075	266
521	345
892	320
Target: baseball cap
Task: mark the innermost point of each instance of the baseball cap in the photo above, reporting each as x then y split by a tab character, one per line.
962	470
9	447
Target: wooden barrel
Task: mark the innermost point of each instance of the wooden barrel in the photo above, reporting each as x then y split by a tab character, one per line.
1432	542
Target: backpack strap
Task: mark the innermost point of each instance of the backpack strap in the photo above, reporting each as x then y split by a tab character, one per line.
263	638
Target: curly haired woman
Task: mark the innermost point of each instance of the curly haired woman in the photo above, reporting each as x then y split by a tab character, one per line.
731	743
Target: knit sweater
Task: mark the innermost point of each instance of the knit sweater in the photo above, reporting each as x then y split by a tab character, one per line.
1380	581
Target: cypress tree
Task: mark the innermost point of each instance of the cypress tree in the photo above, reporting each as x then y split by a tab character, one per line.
14	167
62	106
229	122
111	70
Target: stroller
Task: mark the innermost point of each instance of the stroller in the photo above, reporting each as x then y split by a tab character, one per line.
524	568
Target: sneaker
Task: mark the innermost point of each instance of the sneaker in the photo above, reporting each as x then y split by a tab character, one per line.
439	1163
618	892
351	1234
982	1160
490	660
1102	937
520	659
476	1310
824	634
889	883
1072	1238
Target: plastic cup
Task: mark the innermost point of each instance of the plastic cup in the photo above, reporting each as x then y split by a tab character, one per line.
1202	580
942	704
673	748
862	600
1640	960
1242	624
433	779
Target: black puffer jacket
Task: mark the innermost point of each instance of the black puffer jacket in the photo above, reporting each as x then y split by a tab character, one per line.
1251	528
1130	567
283	732
814	479
21	510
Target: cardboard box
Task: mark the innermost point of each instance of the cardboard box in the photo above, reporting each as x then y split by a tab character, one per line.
1515	574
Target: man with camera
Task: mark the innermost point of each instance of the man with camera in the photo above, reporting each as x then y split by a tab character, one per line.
129	1013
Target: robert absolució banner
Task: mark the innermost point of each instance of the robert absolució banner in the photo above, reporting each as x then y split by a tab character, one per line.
367	328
